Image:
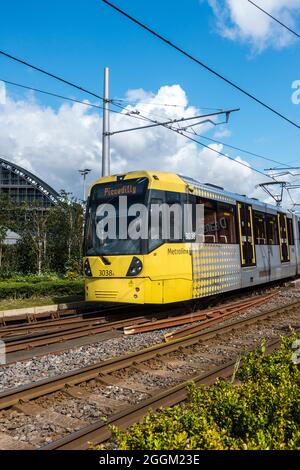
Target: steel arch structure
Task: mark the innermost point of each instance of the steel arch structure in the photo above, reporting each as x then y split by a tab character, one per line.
22	186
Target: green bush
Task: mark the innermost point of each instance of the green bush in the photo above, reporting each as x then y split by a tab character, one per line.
259	413
31	278
23	290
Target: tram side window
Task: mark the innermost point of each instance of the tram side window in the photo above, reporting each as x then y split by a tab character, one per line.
210	222
155	230
209	231
290	232
272	230
219	223
176	202
226	224
259	228
166	218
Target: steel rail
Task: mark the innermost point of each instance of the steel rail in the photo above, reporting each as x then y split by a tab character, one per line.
62	326
65	324
16	344
69	318
214	319
47	386
93	327
26	334
205	316
99	432
107	315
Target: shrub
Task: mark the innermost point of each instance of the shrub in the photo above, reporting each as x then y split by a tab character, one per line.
30	278
71	275
24	290
262	412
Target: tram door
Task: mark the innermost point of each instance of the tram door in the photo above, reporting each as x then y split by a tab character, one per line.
246	235
283	238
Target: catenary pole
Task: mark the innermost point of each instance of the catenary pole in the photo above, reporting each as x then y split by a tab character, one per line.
106	127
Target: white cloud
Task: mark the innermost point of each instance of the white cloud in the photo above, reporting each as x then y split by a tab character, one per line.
56	144
222	132
240	20
2	93
138	94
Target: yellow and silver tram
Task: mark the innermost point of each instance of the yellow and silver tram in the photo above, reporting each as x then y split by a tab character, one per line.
245	243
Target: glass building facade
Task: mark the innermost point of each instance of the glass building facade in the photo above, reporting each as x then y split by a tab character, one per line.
23	187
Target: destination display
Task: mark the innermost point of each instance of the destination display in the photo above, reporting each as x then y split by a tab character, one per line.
134	187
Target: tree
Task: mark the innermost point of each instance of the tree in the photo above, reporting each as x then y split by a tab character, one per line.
50	239
34	229
5	224
66	235
3	232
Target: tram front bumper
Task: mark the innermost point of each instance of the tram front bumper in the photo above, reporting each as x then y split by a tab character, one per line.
116	290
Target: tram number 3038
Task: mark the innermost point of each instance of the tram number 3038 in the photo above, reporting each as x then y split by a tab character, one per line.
106	273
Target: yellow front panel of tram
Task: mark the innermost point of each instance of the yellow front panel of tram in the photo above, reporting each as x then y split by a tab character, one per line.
166	277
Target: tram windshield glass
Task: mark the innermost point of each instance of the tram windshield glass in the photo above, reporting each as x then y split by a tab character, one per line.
112	218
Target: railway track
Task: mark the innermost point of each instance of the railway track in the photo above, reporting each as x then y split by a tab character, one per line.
23	342
206	318
70	320
189	357
99	433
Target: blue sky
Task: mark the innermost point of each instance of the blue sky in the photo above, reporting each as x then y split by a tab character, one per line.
78	39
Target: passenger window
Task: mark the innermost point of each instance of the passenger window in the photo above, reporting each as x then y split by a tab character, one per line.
226	224
176	203
166	219
219	223
272	230
176	233
259	228
155	230
191	234
211	226
290	232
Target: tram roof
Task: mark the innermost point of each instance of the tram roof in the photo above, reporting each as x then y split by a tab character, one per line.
206	190
217	190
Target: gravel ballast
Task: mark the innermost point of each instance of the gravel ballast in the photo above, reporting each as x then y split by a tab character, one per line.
38	368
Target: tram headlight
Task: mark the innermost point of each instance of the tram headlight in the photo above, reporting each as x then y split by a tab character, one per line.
135	268
87	268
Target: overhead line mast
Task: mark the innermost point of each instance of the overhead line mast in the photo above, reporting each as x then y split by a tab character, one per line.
106	127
